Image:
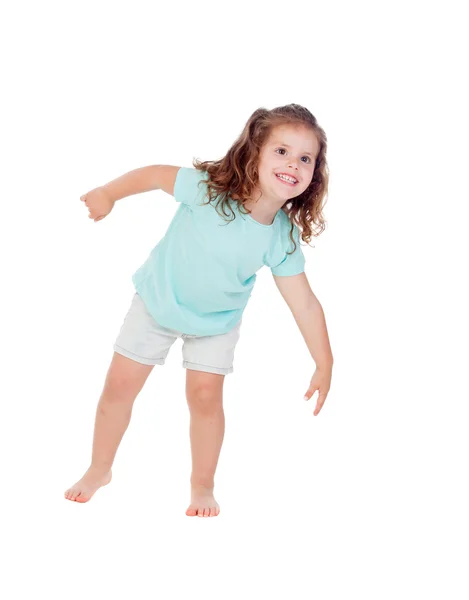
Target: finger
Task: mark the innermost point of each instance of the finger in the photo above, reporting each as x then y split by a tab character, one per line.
319	403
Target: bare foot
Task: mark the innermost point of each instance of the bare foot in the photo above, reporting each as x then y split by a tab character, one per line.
203	503
91	481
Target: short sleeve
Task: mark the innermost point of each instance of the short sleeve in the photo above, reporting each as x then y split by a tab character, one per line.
187	186
291	264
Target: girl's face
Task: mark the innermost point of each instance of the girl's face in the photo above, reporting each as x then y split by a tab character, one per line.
290	151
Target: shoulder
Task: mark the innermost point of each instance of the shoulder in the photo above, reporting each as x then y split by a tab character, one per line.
286	223
188	186
286	232
190	174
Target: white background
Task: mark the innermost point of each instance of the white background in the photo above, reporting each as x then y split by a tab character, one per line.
367	499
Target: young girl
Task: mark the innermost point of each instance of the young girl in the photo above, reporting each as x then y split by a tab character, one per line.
197	281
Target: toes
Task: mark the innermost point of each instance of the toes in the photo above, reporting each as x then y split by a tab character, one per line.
76	495
68	494
211	511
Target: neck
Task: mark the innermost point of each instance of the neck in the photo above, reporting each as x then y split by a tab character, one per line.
263	210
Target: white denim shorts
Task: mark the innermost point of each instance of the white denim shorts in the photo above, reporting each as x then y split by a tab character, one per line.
142	339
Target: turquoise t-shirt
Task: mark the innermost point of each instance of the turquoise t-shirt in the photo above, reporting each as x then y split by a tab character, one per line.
199	277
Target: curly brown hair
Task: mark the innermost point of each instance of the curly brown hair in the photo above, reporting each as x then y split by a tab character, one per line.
236	173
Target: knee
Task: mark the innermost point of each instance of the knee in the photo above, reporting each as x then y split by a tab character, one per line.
204	399
119	387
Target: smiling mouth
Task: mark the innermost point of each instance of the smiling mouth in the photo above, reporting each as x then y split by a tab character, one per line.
287	181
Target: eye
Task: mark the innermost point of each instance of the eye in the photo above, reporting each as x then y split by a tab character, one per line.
307	157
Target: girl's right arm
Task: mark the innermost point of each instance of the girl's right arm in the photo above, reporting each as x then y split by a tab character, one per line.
100	201
145	179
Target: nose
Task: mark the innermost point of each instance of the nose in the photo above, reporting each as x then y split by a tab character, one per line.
293	163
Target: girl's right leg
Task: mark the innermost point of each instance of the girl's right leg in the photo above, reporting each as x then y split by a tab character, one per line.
124	381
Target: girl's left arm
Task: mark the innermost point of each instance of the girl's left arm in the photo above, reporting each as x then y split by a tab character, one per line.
309	316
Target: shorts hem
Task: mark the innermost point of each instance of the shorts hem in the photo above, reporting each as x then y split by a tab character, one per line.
196	367
132	356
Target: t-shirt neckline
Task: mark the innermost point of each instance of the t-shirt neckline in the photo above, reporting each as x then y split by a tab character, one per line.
252	219
263	224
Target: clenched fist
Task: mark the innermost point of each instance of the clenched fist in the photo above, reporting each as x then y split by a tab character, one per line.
98	202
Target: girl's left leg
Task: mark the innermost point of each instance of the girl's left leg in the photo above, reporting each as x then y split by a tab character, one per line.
204	393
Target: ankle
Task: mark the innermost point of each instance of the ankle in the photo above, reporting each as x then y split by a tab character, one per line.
202	485
99	468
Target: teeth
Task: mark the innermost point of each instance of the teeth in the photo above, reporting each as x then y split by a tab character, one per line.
285	178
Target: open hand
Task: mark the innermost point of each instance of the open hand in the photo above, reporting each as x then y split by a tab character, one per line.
321	382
